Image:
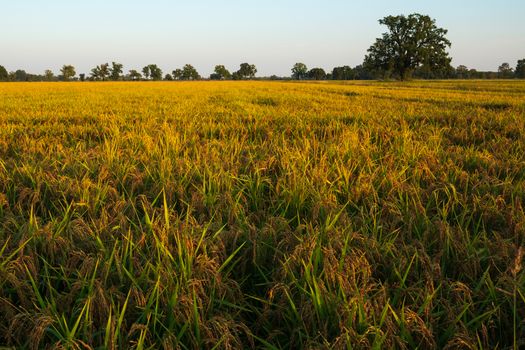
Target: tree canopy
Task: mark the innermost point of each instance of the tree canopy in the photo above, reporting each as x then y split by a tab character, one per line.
411	42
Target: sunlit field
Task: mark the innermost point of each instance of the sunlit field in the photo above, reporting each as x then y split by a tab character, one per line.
262	215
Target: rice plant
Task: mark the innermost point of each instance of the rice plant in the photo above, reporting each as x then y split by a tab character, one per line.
228	215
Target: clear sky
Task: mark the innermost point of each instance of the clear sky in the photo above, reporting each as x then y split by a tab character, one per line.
272	34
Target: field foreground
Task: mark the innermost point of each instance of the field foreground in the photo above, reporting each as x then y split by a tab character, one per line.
262	215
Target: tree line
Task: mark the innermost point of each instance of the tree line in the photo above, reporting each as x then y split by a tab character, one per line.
115	72
362	72
413	47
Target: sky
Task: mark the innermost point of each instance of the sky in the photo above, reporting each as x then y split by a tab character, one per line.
272	34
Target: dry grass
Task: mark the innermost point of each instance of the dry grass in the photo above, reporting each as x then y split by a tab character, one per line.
262	215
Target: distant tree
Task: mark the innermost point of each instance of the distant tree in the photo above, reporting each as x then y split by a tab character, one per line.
220	73
48	75
4	76
155	72
100	72
426	71
362	73
474	74
236	76
146	72
505	71
20	75
489	75
68	72
462	72
34	77
134	75
104	71
317	74
189	73
520	69
95	73
82	77
246	71
299	71
411	41
177	74
115	71
168	77
343	73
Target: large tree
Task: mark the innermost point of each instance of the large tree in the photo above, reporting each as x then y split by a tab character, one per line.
299	71
520	69
68	72
411	41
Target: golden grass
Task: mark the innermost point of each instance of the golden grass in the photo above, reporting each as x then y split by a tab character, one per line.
262	215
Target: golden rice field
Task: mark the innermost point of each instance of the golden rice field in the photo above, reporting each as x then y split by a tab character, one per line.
265	215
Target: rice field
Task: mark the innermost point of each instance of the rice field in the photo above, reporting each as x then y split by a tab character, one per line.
268	215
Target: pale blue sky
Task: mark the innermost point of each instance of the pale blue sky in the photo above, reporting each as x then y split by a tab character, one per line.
274	34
